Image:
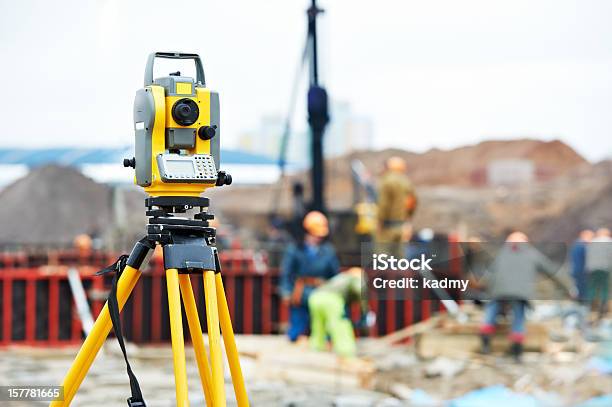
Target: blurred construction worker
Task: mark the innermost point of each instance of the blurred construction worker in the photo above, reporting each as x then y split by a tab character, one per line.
419	244
476	260
223	239
577	256
511	281
305	266
396	205
83	245
599	266
273	240
158	255
327	305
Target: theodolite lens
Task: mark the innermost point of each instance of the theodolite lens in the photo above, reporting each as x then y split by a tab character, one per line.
185	112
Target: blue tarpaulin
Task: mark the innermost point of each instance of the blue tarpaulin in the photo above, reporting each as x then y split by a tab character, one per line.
601	401
498	396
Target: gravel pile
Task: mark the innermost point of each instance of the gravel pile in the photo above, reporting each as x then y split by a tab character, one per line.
53	204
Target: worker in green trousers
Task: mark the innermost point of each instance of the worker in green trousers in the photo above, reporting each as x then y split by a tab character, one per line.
327	306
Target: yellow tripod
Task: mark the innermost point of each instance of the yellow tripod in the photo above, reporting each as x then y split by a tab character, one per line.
187	250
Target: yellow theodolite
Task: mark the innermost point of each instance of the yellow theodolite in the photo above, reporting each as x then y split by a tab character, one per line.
177	157
176	123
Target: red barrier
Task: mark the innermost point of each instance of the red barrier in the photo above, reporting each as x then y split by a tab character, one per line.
37	307
32	311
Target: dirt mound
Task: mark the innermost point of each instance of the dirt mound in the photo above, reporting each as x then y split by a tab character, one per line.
53	204
591	212
459	166
449	168
572	195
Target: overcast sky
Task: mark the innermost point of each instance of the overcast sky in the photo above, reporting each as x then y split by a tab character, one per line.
428	73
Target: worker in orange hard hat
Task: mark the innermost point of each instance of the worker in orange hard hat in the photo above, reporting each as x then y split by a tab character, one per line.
316	224
158	254
397	164
511	280
306	265
83	244
396	205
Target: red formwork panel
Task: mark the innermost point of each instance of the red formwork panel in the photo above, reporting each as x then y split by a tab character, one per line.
25	312
37	308
145	309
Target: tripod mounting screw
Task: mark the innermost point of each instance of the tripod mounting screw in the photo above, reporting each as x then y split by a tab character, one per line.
223	178
129	162
207	132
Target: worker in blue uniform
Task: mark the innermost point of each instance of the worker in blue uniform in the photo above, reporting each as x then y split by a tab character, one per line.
305	266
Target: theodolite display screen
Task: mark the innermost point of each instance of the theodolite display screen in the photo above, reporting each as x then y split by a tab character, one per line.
198	168
180	167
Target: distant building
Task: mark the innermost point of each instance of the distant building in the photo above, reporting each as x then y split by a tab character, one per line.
265	139
510	172
345	133
298	149
359	134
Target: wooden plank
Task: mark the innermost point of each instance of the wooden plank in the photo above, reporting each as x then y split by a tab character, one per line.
404	333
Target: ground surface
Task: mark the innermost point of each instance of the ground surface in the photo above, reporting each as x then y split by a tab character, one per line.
282	374
107	382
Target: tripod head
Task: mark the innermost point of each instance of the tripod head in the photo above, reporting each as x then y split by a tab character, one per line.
177	133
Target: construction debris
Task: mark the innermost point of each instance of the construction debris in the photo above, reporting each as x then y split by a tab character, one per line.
436	362
395	370
445	364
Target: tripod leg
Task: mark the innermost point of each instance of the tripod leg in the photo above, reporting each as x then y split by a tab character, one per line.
95	339
214	338
197	338
178	343
230	344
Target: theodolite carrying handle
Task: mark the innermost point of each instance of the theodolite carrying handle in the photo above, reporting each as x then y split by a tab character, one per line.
148	78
